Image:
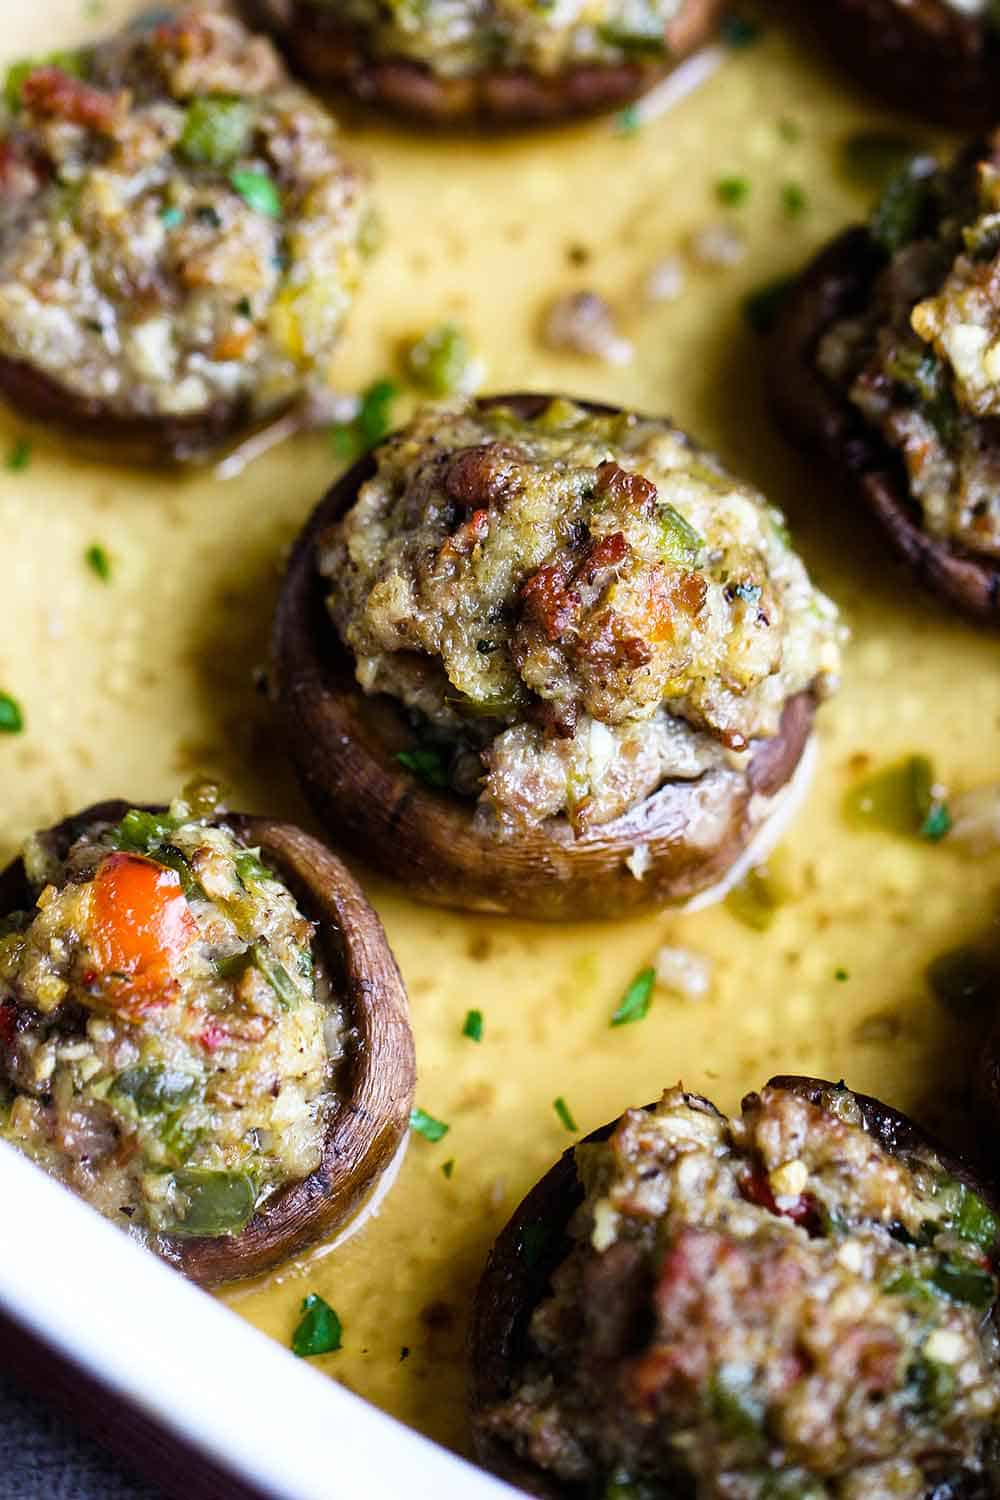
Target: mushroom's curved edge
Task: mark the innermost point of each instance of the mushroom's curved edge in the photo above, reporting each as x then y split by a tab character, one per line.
345	749
327	52
535	1241
370	1120
817	417
935	59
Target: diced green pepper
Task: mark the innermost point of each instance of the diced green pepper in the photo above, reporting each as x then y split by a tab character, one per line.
141	832
680	542
216	130
258	192
154	1088
755	901
276	975
977	1223
217	1202
961	1281
899	799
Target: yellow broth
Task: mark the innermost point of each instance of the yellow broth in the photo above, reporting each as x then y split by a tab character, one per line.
129	685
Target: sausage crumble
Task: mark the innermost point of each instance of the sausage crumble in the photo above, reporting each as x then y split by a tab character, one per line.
572	608
763	1307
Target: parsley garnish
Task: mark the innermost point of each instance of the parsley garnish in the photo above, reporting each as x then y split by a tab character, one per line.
98	562
372	423
426	1125
448	1167
732	190
793	199
11	717
562	1110
425	762
19	456
634	1004
320	1330
258	192
473	1027
840	975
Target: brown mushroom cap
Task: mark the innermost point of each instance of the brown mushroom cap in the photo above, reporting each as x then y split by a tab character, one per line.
96	429
375	1088
326	51
534	1242
924	55
838	284
345	747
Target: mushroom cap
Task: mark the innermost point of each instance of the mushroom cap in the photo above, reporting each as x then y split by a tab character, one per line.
345	747
517	1274
326	51
926	56
836	285
370	1115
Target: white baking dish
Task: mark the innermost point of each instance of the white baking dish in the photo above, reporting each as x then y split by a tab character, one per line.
179	1385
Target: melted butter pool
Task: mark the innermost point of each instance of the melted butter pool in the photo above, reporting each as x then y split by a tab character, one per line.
129	686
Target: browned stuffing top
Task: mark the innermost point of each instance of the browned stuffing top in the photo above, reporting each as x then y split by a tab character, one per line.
178	228
765	1308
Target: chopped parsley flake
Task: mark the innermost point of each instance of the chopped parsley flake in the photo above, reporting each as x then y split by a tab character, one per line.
426	1125
634	1004
732	190
372	423
11	717
562	1110
427	763
840	975
793	199
473	1027
98	562
258	192
320	1330
19	456
448	1167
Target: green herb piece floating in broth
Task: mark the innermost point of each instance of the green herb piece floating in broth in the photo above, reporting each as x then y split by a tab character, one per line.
793	199
98	562
562	1110
473	1026
11	717
427	763
762	308
426	1125
634	1004
372	423
732	191
441	363
320	1331
448	1167
903	798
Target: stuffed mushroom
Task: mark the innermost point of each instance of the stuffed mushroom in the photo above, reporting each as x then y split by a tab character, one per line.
938	58
180	238
202	1030
798	1302
507	60
548	658
887	360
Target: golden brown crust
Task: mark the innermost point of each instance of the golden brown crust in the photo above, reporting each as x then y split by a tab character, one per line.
818	416
345	747
376	1088
333	55
534	1241
924	55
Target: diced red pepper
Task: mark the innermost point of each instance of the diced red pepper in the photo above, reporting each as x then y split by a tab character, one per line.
50	91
